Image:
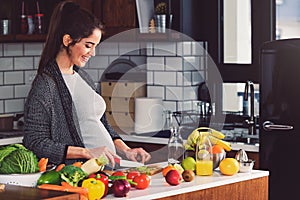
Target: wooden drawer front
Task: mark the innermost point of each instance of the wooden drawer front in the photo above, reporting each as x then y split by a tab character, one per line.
120	119
119	104
123	89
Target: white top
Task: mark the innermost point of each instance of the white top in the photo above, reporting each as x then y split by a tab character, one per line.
90	107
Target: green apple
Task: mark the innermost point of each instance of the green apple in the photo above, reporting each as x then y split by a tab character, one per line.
189	163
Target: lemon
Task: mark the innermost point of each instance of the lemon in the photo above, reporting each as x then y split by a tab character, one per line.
179	168
189	163
229	166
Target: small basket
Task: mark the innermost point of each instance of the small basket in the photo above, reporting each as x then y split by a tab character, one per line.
27	180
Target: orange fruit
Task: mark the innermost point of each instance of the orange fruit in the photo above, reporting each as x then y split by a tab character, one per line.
217	149
229	166
167	169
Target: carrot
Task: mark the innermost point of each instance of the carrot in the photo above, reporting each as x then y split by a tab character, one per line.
64	188
43	164
77	164
59	167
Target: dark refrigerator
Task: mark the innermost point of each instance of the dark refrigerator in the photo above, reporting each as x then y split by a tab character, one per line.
279	118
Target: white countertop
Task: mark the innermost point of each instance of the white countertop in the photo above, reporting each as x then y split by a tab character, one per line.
157	140
145	139
159	188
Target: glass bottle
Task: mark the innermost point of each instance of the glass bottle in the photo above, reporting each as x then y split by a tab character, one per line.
204	156
175	145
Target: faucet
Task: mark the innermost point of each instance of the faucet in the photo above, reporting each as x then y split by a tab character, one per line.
251	121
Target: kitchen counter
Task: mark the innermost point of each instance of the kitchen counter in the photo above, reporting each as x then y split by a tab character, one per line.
254	184
144	139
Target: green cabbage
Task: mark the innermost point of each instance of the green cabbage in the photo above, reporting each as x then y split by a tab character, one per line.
16	159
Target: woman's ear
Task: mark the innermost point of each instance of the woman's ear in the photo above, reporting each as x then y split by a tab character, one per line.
67	40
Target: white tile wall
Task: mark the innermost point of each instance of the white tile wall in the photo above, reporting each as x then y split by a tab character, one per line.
13	49
173	70
14	77
6	92
22	63
6	64
15	105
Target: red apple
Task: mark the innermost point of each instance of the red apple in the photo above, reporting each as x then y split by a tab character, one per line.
173	177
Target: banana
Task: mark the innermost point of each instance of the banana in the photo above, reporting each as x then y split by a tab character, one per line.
224	144
214	132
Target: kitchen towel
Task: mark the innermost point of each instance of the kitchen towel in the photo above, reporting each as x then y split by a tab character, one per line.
148	115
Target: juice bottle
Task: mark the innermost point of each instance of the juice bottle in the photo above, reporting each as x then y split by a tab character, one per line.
204	156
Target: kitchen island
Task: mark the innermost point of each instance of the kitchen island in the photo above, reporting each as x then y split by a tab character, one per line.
252	185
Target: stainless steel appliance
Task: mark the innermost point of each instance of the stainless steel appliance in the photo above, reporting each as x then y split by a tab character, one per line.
280	117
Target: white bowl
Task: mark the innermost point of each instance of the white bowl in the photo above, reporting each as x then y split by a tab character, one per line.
27	180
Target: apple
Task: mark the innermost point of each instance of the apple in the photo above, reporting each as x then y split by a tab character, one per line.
189	163
173	177
188	175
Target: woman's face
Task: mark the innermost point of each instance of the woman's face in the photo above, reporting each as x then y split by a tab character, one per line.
81	52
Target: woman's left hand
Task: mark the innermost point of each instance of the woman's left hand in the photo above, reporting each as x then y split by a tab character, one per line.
137	154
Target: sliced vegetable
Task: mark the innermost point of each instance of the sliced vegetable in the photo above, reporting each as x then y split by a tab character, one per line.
94	165
43	164
95	187
77	164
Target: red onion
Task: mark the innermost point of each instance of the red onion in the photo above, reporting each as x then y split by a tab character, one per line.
120	188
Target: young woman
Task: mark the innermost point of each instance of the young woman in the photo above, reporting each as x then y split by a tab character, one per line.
64	115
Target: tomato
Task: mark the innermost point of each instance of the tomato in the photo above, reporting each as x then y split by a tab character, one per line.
118	173
142	181
132	174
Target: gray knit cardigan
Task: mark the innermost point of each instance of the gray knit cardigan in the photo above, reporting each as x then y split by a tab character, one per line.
51	123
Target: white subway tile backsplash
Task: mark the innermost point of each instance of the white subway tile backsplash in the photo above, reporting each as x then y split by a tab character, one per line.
1	49
14	77
164	49
107	48
13	49
198	49
190	93
93	74
21	91
1	78
184	78
14	105
6	92
29	76
174	93
156	63
1	106
174	64
139	61
6	64
165	78
170	105
33	49
192	63
22	63
98	62
36	61
156	91
150	78
129	48
185	106
184	48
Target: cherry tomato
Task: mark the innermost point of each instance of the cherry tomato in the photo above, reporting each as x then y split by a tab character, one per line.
132	174
118	173
142	181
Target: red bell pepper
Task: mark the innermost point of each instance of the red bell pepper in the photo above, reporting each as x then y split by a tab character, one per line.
103	179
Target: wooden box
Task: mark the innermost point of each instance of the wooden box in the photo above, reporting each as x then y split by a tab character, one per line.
119	104
123	89
120	119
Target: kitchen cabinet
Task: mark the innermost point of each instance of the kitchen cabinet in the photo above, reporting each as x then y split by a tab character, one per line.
117	16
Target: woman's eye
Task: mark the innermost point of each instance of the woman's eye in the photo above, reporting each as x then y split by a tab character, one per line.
88	46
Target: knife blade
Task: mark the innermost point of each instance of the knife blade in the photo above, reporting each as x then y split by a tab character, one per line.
128	163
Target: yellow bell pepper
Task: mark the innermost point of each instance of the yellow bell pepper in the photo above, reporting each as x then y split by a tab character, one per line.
95	187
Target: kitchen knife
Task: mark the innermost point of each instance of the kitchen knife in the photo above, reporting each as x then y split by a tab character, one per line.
128	163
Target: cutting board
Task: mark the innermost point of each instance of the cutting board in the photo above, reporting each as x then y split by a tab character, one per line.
149	169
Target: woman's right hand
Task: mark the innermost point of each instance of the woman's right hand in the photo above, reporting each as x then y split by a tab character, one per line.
98	151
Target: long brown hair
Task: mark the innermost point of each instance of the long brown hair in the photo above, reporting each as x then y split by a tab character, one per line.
67	18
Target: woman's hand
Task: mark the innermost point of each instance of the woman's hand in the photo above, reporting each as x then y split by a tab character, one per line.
98	151
137	154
